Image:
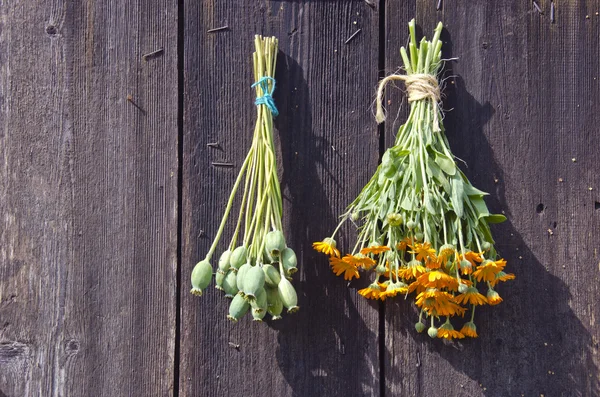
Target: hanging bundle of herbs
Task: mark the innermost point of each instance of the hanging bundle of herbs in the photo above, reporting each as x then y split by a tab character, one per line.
256	268
423	228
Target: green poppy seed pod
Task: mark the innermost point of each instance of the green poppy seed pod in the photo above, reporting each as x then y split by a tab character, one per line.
254	280
230	284
238	308
420	327
275	243
258	314
201	276
289	298
224	263
465	265
432	332
462	288
260	302
419	236
289	261
219	278
274	303
411	224
238	257
241	274
272	276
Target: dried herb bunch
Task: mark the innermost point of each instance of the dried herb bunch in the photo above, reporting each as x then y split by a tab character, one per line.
256	273
423	227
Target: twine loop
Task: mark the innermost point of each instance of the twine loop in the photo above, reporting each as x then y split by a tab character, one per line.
267	94
421	86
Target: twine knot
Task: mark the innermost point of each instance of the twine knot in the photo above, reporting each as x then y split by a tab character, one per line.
421	86
267	94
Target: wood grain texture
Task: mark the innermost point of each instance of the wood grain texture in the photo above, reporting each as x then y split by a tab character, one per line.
88	197
524	105
329	146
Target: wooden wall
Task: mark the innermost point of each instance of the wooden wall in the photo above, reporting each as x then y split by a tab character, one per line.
108	195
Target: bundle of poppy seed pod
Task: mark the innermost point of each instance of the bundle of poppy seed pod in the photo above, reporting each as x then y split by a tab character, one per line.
256	274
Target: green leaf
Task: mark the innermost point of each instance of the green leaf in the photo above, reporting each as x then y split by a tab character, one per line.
479	206
407	203
445	163
457	196
495	218
471	190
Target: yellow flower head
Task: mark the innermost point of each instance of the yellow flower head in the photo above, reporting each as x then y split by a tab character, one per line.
401	246
423	251
327	246
447	331
438	279
501	276
446	251
438	303
472	257
360	260
374	249
493	297
373	291
394	289
469	329
340	266
487	270
413	270
471	296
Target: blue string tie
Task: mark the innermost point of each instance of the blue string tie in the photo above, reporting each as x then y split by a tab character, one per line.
267	97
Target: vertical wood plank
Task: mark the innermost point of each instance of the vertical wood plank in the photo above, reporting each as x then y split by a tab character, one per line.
88	197
523	118
329	147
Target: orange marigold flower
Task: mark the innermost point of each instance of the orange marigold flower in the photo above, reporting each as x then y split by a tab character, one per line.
469	329
373	291
435	263
327	246
401	246
413	270
438	279
394	289
360	260
375	249
493	297
471	296
472	257
446	251
438	303
423	251
487	270
340	266
501	276
447	331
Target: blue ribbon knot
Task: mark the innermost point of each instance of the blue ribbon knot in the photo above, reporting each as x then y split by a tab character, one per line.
267	97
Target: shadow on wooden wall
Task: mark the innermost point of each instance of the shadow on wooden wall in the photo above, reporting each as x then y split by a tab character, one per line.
313	218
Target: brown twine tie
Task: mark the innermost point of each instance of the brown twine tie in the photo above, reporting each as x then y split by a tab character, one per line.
419	87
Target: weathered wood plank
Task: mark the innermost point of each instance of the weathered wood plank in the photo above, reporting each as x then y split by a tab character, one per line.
88	197
523	108
329	147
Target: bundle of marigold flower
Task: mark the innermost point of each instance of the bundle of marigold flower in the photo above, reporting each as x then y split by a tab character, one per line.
255	274
423	226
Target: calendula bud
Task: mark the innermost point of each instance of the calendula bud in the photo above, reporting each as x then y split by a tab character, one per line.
289	298
275	243
238	257
219	278
238	308
493	297
254	279
447	250
420	327
486	246
355	216
289	261
230	284
258	314
465	265
462	288
274	303
419	236
411	224
201	276
432	332
272	276
241	274
224	263
394	219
